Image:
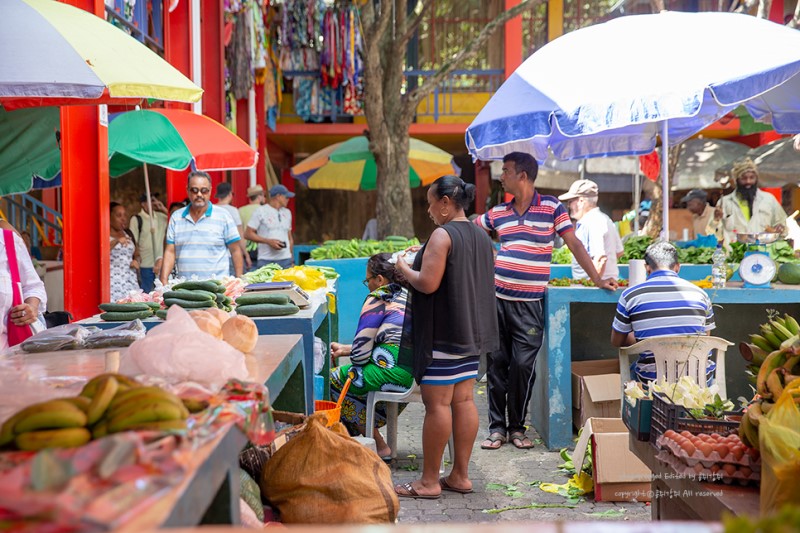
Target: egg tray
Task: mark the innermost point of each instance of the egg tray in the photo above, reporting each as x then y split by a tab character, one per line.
714	458
705	474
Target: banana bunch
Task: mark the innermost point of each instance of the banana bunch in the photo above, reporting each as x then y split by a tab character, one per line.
108	403
774	357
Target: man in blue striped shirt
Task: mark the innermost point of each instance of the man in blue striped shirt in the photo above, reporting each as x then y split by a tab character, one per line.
201	238
665	304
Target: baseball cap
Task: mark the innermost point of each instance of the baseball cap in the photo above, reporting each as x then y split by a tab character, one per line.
255	190
223	190
700	194
280	189
580	189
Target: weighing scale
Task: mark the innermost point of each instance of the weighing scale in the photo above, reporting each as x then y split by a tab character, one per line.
297	295
757	268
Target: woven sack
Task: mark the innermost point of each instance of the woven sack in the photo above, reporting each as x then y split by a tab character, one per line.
323	477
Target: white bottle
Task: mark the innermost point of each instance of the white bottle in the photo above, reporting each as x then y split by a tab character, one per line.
719	268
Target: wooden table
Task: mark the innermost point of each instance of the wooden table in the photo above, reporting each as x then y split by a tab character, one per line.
278	362
309	322
209	492
678	497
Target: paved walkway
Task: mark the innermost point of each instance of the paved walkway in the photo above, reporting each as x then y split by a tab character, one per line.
516	469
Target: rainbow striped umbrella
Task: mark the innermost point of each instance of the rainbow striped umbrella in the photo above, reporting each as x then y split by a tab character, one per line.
350	166
57	54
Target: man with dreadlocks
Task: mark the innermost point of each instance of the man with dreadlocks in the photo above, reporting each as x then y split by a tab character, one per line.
747	209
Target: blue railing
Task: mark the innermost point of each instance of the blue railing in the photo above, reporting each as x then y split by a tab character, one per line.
438	104
26	213
138	19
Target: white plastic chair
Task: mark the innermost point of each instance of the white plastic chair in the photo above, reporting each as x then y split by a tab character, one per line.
392	399
677	356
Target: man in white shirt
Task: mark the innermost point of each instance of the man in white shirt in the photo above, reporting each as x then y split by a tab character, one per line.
271	227
697	203
140	225
594	229
224	199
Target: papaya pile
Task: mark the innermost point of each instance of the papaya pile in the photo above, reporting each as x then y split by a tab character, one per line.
773	357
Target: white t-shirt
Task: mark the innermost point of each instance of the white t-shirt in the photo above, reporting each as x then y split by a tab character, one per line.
271	223
600	237
237	219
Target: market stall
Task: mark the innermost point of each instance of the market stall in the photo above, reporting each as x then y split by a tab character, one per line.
737	309
202	483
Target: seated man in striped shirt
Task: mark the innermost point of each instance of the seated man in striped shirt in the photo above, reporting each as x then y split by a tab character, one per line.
665	304
202	238
526	227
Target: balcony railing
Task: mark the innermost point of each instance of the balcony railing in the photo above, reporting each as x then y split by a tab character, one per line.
440	103
144	21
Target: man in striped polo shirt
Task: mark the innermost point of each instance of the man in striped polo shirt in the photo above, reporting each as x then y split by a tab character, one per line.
526	226
665	304
201	238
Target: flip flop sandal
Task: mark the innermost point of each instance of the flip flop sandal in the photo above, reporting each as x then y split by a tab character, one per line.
518	440
494	438
410	492
446	486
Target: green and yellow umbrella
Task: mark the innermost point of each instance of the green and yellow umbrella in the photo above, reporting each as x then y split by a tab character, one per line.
350	166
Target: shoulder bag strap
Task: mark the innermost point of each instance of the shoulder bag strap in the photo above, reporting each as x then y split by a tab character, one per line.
13	267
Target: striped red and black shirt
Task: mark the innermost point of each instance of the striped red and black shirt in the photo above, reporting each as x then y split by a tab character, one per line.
522	266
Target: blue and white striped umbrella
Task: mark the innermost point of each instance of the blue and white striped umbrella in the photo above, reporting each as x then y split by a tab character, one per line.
613	88
607	89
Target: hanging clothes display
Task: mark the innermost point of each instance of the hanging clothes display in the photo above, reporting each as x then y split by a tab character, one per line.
325	40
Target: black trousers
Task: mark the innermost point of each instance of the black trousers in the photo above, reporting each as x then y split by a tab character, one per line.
510	370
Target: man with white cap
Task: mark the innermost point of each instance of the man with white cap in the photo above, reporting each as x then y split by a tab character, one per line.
594	229
257	198
271	227
747	209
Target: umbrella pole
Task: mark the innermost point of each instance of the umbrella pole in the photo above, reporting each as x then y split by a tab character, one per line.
664	182
150	210
637	199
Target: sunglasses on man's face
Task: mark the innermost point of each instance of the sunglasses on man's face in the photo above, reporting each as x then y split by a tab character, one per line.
204	191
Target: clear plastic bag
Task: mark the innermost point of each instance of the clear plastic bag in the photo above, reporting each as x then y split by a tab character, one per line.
65	337
779	443
120	336
178	350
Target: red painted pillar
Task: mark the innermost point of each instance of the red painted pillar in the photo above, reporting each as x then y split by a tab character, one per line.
776	11
84	164
178	53
240	179
512	41
213	59
261	137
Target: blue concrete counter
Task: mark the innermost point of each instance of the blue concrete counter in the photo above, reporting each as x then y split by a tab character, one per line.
690	272
350	294
551	409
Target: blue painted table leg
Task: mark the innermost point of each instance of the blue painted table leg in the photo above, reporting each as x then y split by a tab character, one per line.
557	422
308	371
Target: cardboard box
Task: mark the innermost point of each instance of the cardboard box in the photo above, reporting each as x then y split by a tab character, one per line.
618	475
596	390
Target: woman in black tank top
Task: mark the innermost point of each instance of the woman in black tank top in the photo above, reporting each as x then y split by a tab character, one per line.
450	322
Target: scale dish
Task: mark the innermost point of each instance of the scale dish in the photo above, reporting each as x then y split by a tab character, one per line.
757	238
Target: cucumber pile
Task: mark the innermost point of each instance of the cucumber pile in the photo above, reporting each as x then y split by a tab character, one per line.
196	295
128	311
260	304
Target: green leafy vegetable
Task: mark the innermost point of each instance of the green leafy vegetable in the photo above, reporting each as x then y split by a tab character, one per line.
635	247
